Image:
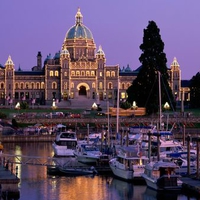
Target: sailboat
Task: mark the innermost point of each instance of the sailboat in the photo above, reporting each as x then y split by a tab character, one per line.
161	175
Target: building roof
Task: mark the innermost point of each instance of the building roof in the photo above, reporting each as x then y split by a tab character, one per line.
28	73
79	30
185	83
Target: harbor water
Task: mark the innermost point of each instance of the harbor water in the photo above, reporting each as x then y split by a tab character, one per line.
36	184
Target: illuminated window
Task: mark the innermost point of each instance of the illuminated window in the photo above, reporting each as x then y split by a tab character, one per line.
77	73
92	73
72	85
26	85
56	73
65	74
37	85
93	85
22	86
110	85
82	73
87	73
65	86
51	73
100	85
108	74
123	86
54	85
72	73
42	85
16	86
33	85
113	74
100	74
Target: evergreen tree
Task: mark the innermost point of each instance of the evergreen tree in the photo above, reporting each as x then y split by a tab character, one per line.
144	89
195	91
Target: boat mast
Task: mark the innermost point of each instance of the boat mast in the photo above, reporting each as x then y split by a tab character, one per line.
160	105
117	123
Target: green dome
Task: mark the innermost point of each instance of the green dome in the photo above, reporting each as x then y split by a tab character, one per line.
79	30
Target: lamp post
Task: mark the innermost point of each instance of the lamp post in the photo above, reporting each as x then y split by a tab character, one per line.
167	107
134	107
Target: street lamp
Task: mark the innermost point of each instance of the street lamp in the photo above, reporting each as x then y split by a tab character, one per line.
167	107
134	107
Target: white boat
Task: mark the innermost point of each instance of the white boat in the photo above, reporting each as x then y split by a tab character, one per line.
161	175
65	143
129	164
87	153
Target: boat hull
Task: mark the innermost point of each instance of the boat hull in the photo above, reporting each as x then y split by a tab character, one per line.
62	151
86	159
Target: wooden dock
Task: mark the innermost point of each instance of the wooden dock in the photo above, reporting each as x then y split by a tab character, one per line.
191	185
8	184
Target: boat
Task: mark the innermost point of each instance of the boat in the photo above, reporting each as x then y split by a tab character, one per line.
87	153
77	170
161	176
128	164
65	143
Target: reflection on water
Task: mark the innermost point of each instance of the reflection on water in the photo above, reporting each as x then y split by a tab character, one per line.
37	185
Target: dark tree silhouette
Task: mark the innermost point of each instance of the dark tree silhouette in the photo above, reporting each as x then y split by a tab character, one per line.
144	89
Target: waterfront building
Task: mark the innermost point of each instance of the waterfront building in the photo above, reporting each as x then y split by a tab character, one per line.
78	69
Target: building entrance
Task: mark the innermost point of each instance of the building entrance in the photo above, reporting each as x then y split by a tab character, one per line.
82	90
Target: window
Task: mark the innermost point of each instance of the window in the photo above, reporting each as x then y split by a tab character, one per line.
51	73
72	73
54	85
87	73
72	85
123	86
93	85
110	85
26	86
92	73
113	74
100	85
2	86
65	74
56	73
38	85
82	73
108	74
21	85
33	85
100	74
77	73
65	86
42	85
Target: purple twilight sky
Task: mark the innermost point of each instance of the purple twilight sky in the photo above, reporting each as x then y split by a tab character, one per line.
40	25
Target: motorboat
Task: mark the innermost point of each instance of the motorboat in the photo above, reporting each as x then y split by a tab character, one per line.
161	176
128	164
87	153
65	143
77	170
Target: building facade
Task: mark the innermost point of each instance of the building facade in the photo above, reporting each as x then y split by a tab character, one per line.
78	69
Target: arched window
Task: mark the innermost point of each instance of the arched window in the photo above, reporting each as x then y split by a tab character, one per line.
26	85
54	85
128	85
16	86
65	86
77	73
113	74
56	73
65	74
33	85
93	85
100	74
21	85
100	85
72	85
82	73
108	74
87	73
92	73
42	85
110	85
72	73
51	73
37	85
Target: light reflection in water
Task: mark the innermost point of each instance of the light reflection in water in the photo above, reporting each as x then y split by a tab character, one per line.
37	185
